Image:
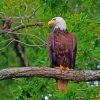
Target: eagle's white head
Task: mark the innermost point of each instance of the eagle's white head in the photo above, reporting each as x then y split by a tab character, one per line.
57	22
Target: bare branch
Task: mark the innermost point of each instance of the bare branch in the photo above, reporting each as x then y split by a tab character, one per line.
92	98
84	89
7	45
20	27
26	26
31	45
6	40
26	7
97	60
34	11
17	17
74	75
28	35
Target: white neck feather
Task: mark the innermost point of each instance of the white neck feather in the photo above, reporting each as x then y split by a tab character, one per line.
60	26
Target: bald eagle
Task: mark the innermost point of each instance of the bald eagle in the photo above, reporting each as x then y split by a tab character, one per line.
62	47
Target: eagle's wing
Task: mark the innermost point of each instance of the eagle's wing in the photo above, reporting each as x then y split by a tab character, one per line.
51	53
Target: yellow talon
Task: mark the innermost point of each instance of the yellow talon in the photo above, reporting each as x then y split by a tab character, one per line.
63	68
68	69
60	67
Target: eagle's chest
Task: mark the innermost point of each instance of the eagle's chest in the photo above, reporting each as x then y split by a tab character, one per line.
61	49
60	42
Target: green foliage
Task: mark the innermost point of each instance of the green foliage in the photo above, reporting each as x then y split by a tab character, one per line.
82	17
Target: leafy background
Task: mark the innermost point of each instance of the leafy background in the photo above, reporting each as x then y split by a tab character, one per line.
82	17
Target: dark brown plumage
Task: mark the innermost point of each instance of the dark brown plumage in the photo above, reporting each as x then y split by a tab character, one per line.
62	47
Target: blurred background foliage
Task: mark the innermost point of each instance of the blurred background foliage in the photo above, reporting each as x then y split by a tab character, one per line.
82	17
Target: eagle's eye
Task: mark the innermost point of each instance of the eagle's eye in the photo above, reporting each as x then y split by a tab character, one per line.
54	19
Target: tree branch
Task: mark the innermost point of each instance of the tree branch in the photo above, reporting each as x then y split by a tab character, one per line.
19	27
26	26
77	76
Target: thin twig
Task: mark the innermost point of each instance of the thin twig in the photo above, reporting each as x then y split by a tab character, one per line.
39	46
84	89
34	11
30	44
26	7
83	98
6	40
28	35
97	60
39	39
7	45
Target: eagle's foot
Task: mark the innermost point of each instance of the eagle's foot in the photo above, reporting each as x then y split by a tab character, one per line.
68	69
61	67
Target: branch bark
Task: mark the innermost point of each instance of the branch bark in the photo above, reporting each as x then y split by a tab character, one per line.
74	75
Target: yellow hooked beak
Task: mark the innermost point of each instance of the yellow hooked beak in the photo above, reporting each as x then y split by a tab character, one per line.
51	23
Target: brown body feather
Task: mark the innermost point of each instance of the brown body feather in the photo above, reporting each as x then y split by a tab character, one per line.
62	47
